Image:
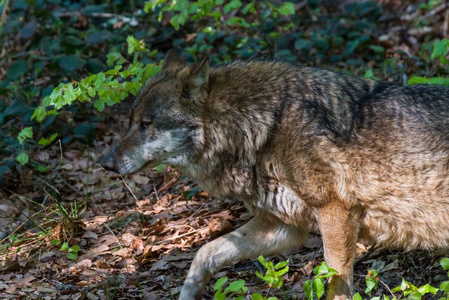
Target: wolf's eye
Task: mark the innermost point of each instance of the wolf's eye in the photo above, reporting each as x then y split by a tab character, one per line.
145	124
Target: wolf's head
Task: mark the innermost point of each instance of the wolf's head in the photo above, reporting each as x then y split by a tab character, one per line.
165	122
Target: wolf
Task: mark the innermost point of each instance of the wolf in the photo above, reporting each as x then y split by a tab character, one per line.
305	150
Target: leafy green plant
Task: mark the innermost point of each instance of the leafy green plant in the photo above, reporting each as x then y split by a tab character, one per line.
104	88
316	285
72	252
440	52
406	288
237	289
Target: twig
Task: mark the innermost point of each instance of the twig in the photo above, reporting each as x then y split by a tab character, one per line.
179	236
3	17
433	12
167	185
118	241
132	21
129	189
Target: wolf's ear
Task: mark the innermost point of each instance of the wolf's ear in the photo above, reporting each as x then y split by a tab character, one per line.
200	74
199	82
172	60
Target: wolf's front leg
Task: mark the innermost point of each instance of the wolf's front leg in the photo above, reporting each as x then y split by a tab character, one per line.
257	237
339	229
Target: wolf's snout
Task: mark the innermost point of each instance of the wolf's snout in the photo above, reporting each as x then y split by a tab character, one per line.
108	162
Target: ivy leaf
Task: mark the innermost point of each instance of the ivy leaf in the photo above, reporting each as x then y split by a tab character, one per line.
190	193
236	286
17	69
307	289
286	9
71	62
357	297
26	133
371	284
444	286
445	263
318	286
220	282
64	247
45	142
23	158
99	80
440	50
232	5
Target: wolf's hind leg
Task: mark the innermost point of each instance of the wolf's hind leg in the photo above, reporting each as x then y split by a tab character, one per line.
257	237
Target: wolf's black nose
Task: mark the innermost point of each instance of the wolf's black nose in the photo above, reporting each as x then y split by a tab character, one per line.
108	163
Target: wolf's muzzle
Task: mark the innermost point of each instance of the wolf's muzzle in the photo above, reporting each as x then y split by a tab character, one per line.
108	162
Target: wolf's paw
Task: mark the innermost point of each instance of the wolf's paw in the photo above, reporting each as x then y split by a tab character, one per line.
191	292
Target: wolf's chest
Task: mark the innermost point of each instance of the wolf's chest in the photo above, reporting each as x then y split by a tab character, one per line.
280	202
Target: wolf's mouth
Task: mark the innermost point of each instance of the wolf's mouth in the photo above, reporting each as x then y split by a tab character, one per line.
148	164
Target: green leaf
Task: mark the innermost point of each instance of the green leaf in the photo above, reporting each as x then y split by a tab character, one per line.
160	167
235	286
39	113
99	105
23	158
99	80
287	9
440	50
190	193
91	92
377	49
73	40
357	297
45	142
445	263
281	264
17	69
414	296
303	44
64	247
321	269
71	62
350	47
26	133
134	45
72	256
444	286
318	286
69	94
263	261
369	74
220	282
232	5
257	297
74	249
427	289
307	289
433	80
371	284
55	242
249	8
